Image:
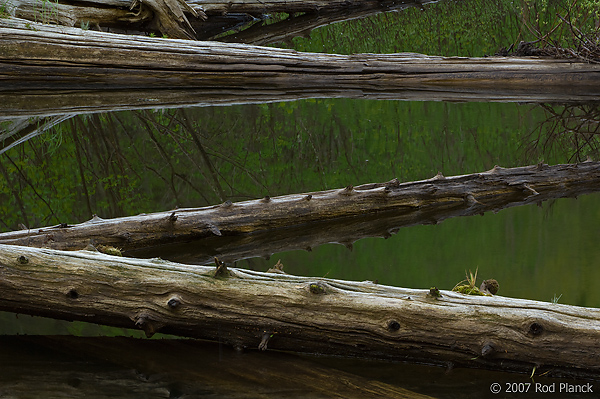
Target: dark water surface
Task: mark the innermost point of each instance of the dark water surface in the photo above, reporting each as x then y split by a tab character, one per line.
124	163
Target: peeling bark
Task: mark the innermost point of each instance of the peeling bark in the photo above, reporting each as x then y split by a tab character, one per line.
301	314
420	202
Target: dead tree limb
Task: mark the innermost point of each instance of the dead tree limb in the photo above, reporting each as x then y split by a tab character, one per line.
178	19
267	311
65	58
419	202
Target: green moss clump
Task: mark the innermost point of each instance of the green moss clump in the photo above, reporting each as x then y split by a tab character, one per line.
107	249
468	289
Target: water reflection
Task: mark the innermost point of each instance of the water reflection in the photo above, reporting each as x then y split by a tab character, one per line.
124	163
132	368
571	131
116	164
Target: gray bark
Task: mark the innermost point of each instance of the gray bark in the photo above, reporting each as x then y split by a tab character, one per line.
274	310
400	204
178	19
64	58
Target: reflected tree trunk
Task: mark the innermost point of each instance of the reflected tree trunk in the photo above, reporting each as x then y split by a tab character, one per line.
126	62
134	368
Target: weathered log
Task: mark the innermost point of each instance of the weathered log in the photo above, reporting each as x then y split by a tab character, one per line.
250	309
176	18
425	201
134	368
302	25
77	59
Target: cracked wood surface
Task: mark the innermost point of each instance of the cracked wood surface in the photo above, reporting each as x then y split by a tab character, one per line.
275	310
62	57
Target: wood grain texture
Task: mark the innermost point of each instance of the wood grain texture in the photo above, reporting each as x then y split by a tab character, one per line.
409	203
301	314
72	58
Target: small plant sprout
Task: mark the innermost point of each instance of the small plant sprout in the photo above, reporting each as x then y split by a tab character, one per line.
555	298
468	286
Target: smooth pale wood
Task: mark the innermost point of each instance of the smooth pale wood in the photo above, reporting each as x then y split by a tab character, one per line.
102	367
72	58
419	202
250	309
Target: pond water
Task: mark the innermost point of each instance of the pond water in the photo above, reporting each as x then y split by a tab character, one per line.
124	163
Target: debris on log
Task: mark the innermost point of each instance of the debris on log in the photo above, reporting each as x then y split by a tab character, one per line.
301	314
398	204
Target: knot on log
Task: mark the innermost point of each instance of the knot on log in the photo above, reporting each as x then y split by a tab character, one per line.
348	190
214	229
72	293
496	169
471	201
221	270
393	325
267	335
394	183
22	259
316	288
172	217
536	328
434	292
144	322
438	176
488	349
266	199
174	302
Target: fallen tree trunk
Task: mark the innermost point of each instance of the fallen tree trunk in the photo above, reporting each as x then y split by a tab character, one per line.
178	19
420	202
75	59
277	311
